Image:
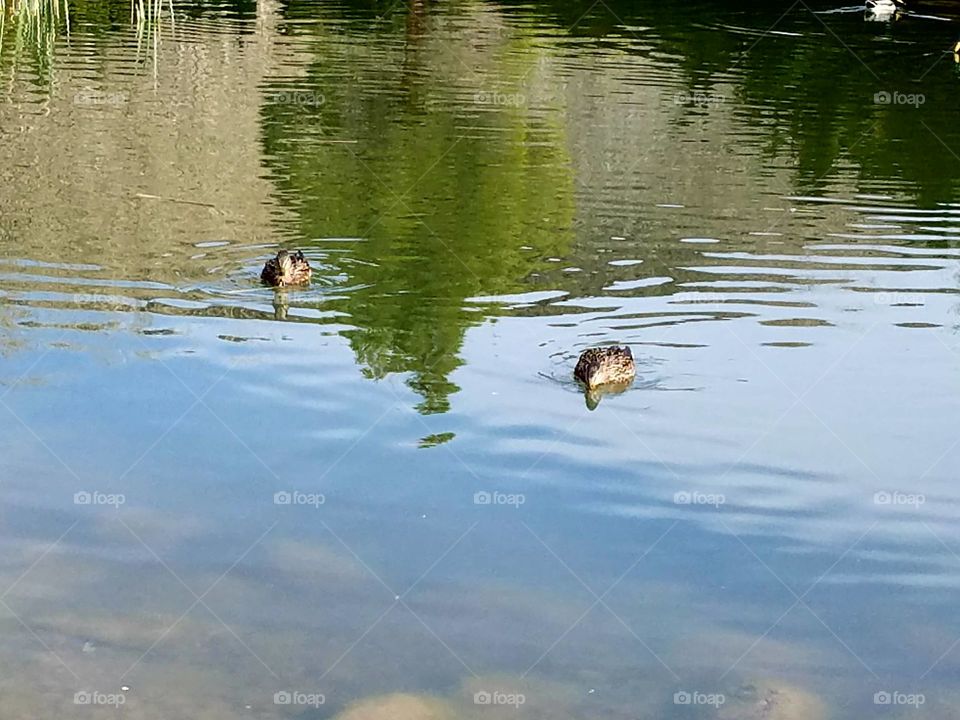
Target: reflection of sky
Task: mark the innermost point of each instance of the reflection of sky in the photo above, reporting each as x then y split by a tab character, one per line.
599	486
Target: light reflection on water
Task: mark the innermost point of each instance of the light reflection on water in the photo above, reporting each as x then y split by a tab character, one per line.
483	191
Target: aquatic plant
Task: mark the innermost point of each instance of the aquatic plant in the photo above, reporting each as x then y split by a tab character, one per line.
147	16
39	16
36	24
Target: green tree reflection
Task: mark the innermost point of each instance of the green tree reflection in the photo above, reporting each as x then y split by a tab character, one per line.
447	199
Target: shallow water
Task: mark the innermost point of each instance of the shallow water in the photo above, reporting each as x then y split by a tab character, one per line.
484	190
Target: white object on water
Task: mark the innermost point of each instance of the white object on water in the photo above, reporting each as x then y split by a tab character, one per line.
882	10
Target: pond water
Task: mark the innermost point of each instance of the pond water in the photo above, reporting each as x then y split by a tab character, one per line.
388	481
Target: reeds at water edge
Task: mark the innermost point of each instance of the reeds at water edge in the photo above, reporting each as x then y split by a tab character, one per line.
36	23
33	27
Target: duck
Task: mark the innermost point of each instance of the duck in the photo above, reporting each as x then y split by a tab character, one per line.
605	366
287	268
884	9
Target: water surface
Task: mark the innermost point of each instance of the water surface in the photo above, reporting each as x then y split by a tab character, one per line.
760	199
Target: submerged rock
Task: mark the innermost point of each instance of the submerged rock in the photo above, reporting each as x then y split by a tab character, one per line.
771	700
399	706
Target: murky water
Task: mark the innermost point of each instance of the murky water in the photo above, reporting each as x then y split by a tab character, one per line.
388	482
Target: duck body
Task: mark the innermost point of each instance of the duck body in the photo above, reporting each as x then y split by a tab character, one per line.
605	366
286	269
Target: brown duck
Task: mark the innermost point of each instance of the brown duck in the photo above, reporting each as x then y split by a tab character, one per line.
286	269
605	366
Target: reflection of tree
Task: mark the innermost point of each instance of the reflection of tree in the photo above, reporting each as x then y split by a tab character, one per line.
831	116
812	94
442	216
